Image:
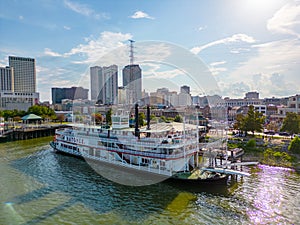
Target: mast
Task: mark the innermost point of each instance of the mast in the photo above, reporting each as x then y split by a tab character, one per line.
184	138
131	52
197	136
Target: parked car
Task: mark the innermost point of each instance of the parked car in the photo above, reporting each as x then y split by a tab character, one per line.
284	133
270	132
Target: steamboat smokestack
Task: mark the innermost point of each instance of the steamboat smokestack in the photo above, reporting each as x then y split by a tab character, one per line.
148	117
136	131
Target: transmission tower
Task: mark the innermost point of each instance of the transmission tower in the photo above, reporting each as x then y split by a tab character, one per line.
131	52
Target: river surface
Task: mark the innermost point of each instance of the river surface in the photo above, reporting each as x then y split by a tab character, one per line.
38	186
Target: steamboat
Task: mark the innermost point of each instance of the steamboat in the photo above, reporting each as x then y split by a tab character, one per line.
166	150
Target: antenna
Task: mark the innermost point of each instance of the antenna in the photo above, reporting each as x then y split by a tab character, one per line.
131	51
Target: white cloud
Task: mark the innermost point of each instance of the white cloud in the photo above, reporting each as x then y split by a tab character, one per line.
217	63
234	38
49	52
239	50
274	70
84	10
217	70
154	70
21	17
95	49
67	28
201	28
285	20
140	15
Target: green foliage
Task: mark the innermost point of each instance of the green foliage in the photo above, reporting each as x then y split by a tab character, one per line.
142	118
253	121
251	143
291	123
234	145
78	118
277	158
239	123
163	119
170	119
42	111
108	117
12	113
178	119
294	145
152	116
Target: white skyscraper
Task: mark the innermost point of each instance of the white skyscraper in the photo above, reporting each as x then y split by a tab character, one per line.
24	74
18	84
104	84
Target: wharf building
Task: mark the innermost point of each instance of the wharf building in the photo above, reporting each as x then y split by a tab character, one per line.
18	84
104	84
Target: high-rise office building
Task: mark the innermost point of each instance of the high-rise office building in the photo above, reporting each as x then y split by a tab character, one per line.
18	84
132	82
6	79
185	89
24	74
94	77
58	94
184	97
104	84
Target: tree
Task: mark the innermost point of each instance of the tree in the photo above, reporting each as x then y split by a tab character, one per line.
152	117
42	111
108	117
97	117
273	126
12	113
291	123
17	118
163	119
178	119
142	118
294	146
239	122
61	117
253	121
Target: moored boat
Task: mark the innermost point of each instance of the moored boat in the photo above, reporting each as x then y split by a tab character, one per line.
167	150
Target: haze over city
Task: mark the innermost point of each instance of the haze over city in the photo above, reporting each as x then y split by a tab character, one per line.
246	45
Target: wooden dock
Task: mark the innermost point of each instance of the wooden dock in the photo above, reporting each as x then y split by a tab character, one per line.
29	133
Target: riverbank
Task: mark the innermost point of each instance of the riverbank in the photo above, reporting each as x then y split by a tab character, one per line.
269	151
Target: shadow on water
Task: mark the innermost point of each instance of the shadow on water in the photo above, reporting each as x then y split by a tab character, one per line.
76	179
79	181
209	188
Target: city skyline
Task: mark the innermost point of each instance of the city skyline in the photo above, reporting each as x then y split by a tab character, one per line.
247	46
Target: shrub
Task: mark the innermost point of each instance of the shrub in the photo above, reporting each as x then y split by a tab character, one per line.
251	143
294	146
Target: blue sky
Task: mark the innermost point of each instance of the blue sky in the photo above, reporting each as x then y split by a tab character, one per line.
247	45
